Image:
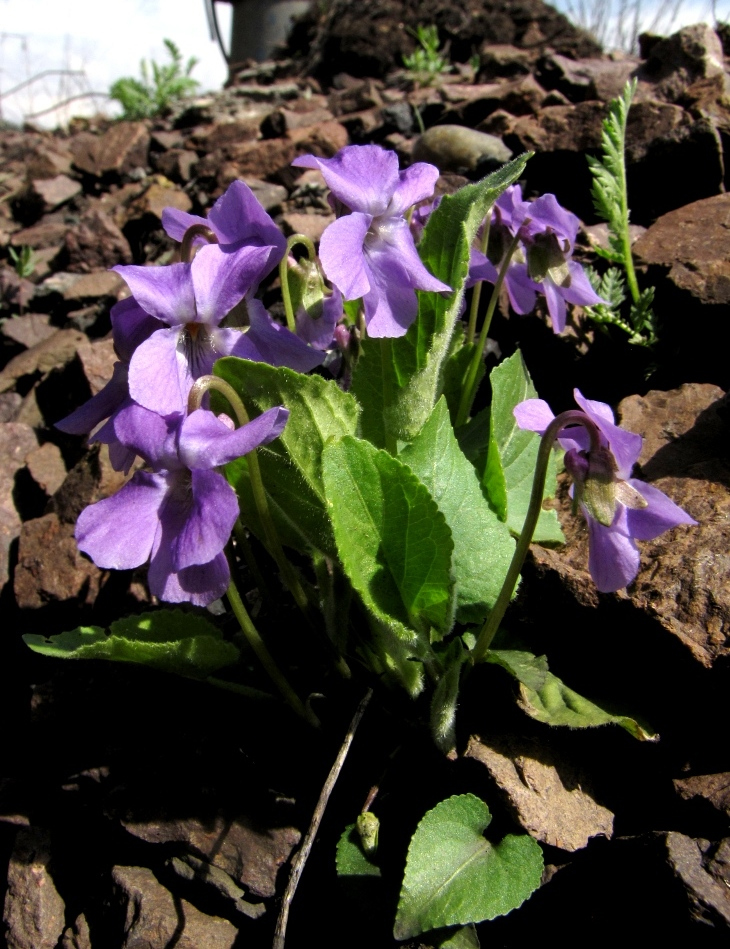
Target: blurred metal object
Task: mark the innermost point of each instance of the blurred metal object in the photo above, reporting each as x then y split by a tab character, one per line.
257	27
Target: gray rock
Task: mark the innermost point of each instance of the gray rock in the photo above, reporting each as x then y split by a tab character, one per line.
155	919
709	899
34	911
459	149
16	441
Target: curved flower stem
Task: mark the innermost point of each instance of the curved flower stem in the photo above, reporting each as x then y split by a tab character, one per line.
470	379
187	247
471	329
271	535
265	658
489	630
284	274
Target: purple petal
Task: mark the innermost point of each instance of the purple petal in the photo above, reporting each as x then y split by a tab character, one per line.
197	518
99	407
160	376
534	415
546	214
625	446
268	341
199	585
221	278
131	325
394	251
414	184
391	305
164	292
320	332
238	216
176	222
206	442
556	305
480	268
363	177
613	558
661	515
520	289
118	533
580	290
341	253
153	437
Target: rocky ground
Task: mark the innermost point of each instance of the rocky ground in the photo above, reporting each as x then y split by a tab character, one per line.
140	811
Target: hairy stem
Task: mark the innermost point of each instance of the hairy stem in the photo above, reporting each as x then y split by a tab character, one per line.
489	630
284	274
471	329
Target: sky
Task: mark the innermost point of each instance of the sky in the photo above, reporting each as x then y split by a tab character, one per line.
101	40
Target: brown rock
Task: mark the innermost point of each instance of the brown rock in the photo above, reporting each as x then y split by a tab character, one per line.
155	919
356	98
78	935
97	360
160	195
548	794
714	788
28	329
94	286
250	855
324	139
257	159
270	196
46	161
710	900
176	164
46	233
311	225
50	567
473	103
51	193
675	63
16	442
55	351
9	405
121	149
243	129
282	121
95	243
459	149
47	467
601	79
693	245
34	912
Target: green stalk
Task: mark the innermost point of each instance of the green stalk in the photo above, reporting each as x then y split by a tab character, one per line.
489	630
265	658
471	329
284	275
469	389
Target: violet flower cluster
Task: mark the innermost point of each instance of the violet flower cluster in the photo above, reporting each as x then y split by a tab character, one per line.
618	509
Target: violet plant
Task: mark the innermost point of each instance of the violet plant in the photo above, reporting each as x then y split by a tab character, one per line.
414	515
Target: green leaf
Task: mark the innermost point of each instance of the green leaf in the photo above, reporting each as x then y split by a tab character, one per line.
351	858
524	666
465	937
513	453
398	381
555	704
291	465
455	367
169	640
483	547
445	698
392	540
455	876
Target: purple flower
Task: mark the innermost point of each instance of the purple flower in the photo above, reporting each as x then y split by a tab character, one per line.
370	253
618	508
180	514
189	300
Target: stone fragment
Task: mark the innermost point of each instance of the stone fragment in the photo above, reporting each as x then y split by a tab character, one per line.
269	196
176	164
48	232
459	149
281	121
193	869
9	405
51	193
119	150
50	567
34	911
324	139
97	360
474	103
78	935
676	62
692	244
28	329
47	162
601	79
94	286
46	467
547	793
311	225
356	98
161	194
55	351
250	855
709	899
155	919
714	788
16	441
95	243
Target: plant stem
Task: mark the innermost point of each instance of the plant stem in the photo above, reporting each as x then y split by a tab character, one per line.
471	329
489	630
284	275
265	658
469	389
